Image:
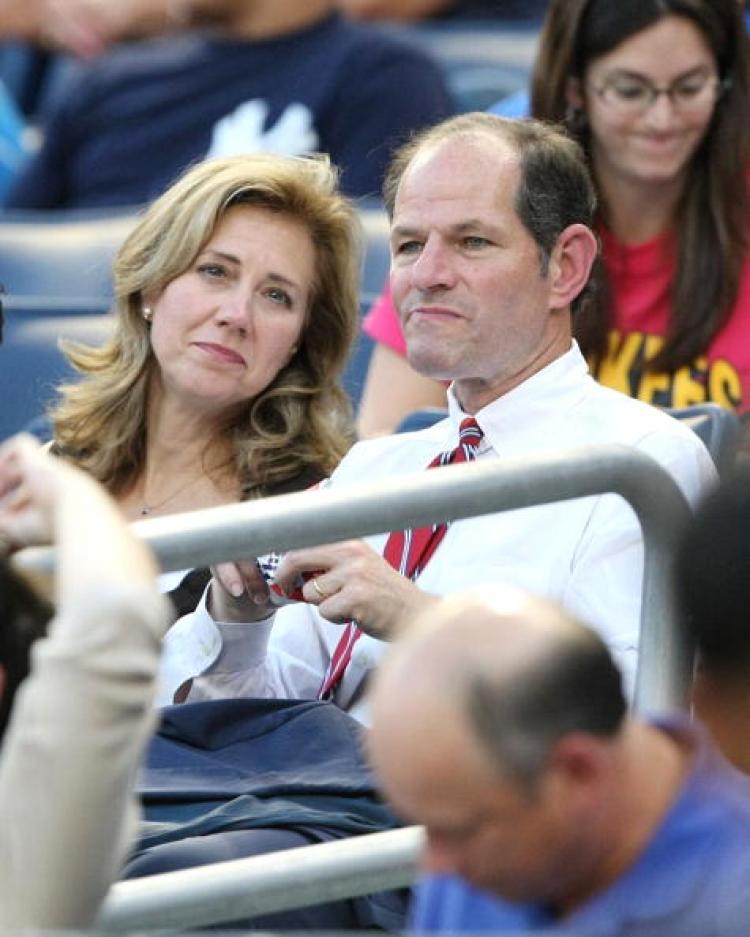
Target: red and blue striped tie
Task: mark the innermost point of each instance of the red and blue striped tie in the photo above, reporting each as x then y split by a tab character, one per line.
407	551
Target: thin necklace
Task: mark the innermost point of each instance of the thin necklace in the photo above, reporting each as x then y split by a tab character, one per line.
149	508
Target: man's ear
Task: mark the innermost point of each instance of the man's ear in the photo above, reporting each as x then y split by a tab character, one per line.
576	764
570	264
2	681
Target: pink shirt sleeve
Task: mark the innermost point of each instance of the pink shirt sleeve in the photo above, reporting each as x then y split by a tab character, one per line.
381	323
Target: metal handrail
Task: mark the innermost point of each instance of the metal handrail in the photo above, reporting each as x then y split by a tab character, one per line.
250	529
484	487
279	881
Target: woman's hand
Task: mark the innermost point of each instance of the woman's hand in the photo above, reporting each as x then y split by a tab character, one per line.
45	499
29	482
238	593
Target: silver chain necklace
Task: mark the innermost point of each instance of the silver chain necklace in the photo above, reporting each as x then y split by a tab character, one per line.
148	508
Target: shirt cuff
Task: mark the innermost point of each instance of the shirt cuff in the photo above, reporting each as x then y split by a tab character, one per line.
243	645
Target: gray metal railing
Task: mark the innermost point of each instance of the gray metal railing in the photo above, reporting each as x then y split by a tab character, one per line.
332	871
252	529
255	528
279	881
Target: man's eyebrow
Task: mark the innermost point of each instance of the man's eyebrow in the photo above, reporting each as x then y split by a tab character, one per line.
472	224
460	227
402	230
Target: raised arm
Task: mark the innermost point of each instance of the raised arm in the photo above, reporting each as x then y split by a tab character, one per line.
80	721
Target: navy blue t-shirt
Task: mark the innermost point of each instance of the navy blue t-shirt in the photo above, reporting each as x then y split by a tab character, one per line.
133	120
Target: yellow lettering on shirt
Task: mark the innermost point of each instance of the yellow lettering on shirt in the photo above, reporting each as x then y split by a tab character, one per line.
686	389
614	370
724	384
652	382
623	370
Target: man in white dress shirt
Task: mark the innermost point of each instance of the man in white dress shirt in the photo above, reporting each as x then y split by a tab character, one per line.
492	249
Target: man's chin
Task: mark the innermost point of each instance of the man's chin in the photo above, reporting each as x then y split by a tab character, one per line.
430	364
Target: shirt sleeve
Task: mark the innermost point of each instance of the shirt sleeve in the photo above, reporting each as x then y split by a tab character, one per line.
284	656
606	578
78	727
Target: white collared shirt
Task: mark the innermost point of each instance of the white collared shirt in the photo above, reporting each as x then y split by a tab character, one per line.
586	554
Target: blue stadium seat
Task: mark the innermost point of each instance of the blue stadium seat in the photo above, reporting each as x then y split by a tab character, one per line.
481	61
60	262
32	365
421	419
377	251
718	428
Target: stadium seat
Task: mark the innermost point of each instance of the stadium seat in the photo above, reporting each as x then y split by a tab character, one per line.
51	263
376	262
481	61
32	363
718	428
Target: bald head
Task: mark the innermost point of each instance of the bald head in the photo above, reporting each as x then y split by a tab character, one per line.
516	672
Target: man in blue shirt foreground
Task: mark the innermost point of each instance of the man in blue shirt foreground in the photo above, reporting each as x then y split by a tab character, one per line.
500	724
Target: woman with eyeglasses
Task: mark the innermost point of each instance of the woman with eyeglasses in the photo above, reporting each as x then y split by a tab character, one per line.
657	92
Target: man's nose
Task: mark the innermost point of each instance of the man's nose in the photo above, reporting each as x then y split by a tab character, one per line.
433	269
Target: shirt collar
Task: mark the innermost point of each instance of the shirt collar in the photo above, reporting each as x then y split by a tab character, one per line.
525	409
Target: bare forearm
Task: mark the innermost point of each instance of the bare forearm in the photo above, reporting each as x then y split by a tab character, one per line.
393	9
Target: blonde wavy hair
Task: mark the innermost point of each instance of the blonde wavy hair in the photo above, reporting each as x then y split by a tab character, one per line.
302	420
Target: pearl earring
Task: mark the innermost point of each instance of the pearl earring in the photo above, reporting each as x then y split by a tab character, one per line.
148	313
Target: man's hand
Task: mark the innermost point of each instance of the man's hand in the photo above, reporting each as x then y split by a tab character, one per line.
238	593
352	582
87	28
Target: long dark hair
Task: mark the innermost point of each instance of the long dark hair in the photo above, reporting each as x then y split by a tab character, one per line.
23	619
712	218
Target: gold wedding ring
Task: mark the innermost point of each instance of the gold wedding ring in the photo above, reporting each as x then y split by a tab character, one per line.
316	586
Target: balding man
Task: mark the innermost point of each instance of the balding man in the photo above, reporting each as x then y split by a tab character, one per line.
500	724
492	249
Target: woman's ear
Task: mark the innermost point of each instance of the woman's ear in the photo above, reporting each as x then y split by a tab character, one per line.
570	264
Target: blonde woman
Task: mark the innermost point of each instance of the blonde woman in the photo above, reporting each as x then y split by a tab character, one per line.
235	304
